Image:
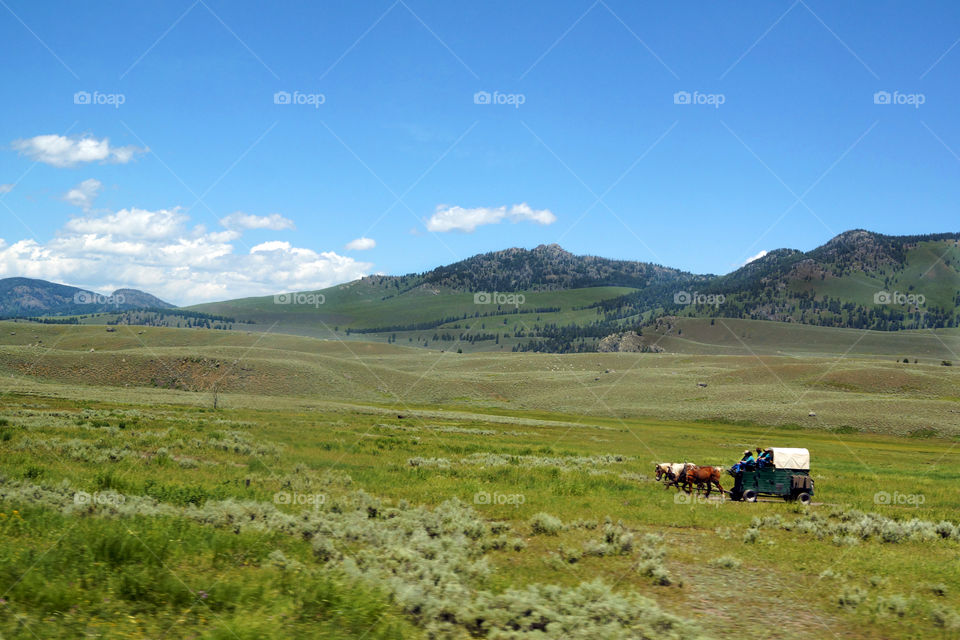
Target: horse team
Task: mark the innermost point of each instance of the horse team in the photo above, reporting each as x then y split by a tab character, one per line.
684	475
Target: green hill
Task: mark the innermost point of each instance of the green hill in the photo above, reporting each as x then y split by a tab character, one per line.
547	299
859	280
495	301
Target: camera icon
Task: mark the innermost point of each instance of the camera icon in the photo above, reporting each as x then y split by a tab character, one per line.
282	298
482	297
281	497
681	97
81	498
81	97
682	297
882	297
481	97
281	97
82	297
481	497
881	497
682	498
881	97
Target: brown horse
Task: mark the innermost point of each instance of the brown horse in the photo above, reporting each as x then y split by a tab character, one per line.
700	476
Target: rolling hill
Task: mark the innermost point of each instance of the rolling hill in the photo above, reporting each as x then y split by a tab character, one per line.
767	372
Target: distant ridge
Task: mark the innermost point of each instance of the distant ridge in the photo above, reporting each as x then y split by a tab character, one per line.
29	297
547	267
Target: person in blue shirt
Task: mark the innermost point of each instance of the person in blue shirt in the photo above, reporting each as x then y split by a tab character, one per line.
765	457
746	461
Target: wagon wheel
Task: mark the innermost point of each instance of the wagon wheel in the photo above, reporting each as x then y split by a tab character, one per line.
804	498
750	495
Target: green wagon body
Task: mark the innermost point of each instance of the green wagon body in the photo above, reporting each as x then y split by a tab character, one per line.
785	483
788	477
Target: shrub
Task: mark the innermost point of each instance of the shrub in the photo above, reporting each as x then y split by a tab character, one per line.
279	559
571	555
892	532
618	539
589	610
891	605
324	551
545	524
946	529
497	543
726	562
946	618
846	541
654	569
844	526
518	544
850	597
652	553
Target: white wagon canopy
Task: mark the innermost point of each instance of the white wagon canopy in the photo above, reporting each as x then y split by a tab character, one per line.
784	458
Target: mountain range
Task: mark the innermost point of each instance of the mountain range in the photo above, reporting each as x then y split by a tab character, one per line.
549	299
29	297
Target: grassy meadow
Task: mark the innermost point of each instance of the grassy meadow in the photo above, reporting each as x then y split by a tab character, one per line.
348	490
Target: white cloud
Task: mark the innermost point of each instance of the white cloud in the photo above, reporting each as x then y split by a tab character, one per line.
522	212
241	220
132	223
163	253
460	219
6	188
756	257
273	245
63	151
84	193
361	244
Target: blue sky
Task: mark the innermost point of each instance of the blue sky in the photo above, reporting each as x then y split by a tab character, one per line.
199	186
